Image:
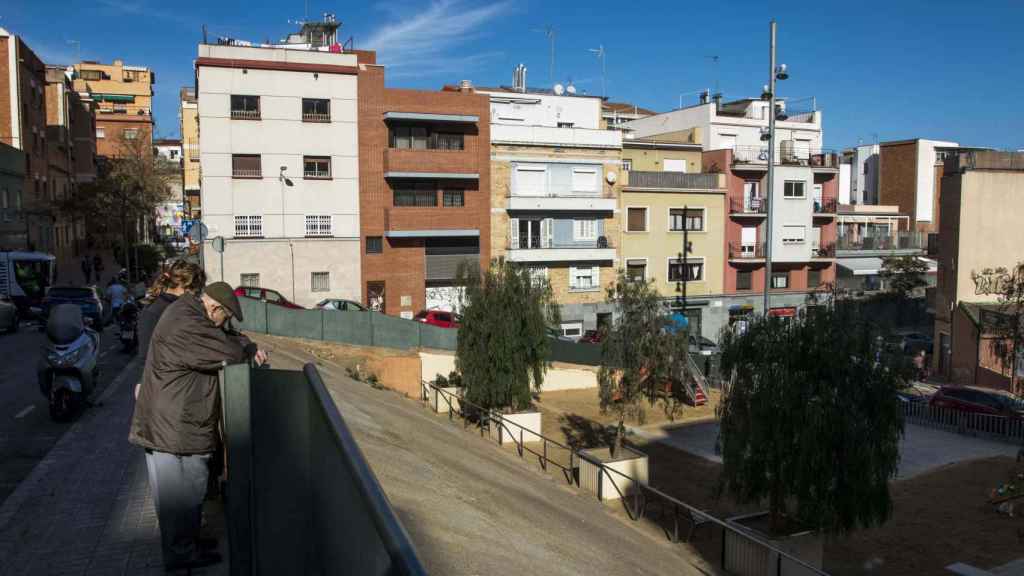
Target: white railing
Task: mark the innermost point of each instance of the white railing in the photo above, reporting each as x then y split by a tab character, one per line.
248	226
316	174
246	172
1006	428
548	135
246	114
315	117
318	225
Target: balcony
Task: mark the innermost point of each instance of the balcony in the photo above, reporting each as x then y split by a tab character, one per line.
823	251
551	136
642	180
589	201
746	252
434	164
245	114
756	157
429	221
316	117
748	207
825	207
533	250
902	242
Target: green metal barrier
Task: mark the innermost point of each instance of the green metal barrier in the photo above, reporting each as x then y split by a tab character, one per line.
575	352
391	332
255	314
301	498
349	327
438	338
282	321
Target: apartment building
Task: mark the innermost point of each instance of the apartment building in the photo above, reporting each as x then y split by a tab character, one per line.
803	203
23	127
982	199
12	183
910	177
615	114
866	235
279	161
554	188
124	104
189	115
858	175
661	205
424	167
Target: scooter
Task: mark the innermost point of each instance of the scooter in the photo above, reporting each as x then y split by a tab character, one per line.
128	320
68	372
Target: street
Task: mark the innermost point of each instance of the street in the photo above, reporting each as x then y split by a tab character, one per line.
26	431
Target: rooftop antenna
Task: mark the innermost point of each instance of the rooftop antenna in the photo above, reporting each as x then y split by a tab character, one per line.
714	62
78	49
549	31
599	52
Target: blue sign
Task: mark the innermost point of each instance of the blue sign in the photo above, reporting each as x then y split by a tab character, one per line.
186	226
677	321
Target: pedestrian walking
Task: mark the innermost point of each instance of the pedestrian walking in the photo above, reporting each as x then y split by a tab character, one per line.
87	268
178	410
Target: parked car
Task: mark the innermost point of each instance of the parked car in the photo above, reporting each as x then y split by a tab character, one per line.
85	297
592	337
556	334
266	295
340	304
438	318
705	346
9	318
978	401
913	342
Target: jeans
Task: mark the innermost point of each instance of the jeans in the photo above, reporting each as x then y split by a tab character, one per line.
178	484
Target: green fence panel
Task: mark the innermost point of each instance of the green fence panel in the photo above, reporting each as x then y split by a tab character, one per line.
283	321
437	337
575	352
255	314
348	327
391	332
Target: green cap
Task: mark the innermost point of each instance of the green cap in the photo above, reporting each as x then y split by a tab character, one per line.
225	296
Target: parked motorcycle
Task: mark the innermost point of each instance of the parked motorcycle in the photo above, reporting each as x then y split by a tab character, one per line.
128	323
68	370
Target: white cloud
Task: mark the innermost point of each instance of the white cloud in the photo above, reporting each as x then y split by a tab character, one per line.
421	44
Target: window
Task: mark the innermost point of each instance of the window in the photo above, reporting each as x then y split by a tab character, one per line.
693	271
636	270
585	180
316	167
813	279
250	281
245	107
530	181
793	189
636	220
572	329
101	133
320	281
454	198
130	133
374	245
538	275
423	138
530	233
418	195
674	165
691	218
584	229
780	279
246	166
627	165
90	74
565	124
793	234
584	279
248	226
318	225
744	280
316	110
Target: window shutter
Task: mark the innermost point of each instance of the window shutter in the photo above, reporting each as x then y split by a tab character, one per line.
596	271
572	277
546	232
514	232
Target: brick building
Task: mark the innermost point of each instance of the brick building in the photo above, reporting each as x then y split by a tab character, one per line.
424	191
189	116
124	103
910	177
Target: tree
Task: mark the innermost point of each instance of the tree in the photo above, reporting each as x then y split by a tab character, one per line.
903	274
1008	325
811	419
643	356
503	343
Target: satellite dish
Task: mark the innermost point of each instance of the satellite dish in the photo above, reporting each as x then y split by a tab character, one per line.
571	89
559	89
611	177
218	244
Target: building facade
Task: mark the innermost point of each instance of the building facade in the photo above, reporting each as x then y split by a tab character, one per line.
279	160
982	197
554	187
615	114
866	235
859	176
124	105
424	192
189	114
910	177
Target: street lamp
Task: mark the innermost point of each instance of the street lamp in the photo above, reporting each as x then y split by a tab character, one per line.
779	72
284	181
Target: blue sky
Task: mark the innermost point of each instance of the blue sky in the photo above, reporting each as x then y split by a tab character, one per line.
886	70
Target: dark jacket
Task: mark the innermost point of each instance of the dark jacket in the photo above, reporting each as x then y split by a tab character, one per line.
179	402
150	316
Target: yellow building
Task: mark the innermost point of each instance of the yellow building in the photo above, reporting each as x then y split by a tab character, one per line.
124	100
189	114
656	207
672	152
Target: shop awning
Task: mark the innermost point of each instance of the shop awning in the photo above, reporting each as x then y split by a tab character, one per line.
786	312
861	266
113	97
465	118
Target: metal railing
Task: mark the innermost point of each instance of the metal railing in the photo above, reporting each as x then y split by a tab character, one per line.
825	206
316	174
744	251
246	173
245	114
534	242
301	497
752	206
786	156
672	180
901	241
637	502
1010	429
315	117
827	250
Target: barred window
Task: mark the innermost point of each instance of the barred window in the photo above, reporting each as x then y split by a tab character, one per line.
316	166
318	225
454	198
248	226
320	281
246	166
691	218
418	195
250	280
245	107
692	272
374	244
316	110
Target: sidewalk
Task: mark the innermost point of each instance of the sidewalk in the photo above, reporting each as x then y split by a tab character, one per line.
86	508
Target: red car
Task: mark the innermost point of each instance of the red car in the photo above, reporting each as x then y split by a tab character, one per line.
592	337
267	295
438	318
978	401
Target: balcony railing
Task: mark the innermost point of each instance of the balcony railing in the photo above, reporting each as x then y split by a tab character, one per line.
535	243
562	194
753	206
825	206
900	241
786	156
316	174
246	173
315	117
739	251
673	180
827	250
245	114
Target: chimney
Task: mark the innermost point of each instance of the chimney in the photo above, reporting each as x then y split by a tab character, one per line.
705	96
519	78
465	86
118	62
717	98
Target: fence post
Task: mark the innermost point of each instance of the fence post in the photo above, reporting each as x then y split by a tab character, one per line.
544	462
675	522
520	441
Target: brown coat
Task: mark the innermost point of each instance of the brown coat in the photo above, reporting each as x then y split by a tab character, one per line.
178	407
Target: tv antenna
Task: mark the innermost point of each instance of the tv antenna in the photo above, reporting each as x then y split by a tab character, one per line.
550	33
599	52
714	63
78	49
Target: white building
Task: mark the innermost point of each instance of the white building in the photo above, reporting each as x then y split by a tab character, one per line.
169	150
859	175
279	162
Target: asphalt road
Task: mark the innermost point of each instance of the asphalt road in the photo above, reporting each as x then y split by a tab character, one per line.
26	431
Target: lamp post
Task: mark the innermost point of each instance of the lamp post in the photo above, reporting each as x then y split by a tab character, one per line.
778	72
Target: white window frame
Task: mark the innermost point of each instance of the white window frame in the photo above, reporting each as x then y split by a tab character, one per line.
584	229
587	169
647	266
803	189
665	161
595	278
101	132
772	280
792	239
323	287
647	220
245	280
130	133
566	327
703	268
546	230
249	226
627	164
319	226
704	218
538	274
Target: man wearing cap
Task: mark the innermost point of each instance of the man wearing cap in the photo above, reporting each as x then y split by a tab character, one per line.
178	410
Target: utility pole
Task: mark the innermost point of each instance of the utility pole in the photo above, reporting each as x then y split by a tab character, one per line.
771	175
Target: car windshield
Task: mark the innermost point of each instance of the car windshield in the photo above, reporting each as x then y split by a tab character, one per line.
69	292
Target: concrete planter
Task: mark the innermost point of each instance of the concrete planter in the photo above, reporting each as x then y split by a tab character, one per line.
439	402
511	432
744	557
597	472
